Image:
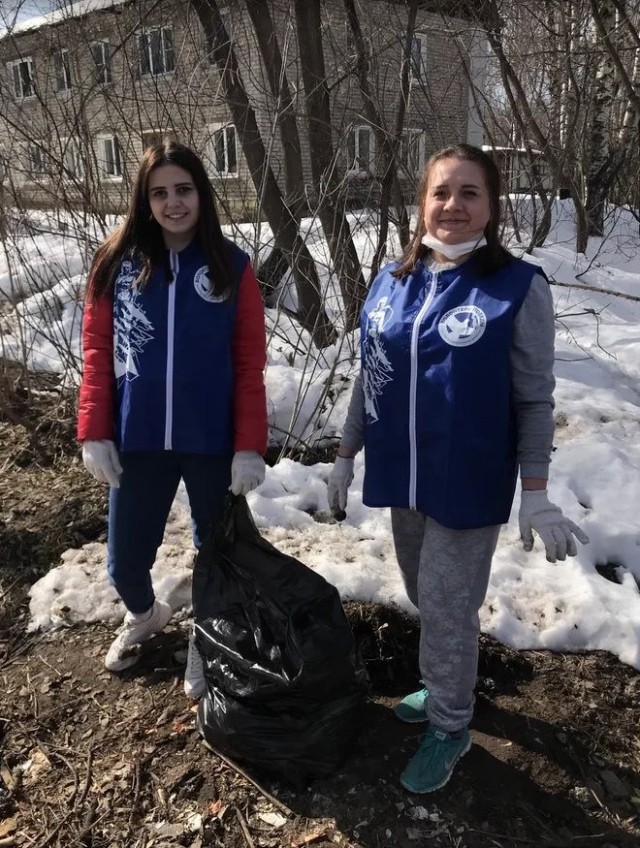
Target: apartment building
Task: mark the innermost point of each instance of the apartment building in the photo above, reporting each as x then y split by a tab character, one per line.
85	90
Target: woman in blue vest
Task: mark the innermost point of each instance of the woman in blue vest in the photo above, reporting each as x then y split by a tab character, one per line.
172	387
454	397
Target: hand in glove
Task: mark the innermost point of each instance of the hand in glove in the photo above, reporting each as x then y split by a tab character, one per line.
247	472
339	481
102	461
557	532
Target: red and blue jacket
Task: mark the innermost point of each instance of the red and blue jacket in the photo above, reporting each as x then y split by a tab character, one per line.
170	366
440	427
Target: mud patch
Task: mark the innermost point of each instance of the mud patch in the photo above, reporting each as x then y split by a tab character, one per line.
103	761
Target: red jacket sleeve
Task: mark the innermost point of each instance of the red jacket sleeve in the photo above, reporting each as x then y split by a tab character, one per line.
96	407
249	360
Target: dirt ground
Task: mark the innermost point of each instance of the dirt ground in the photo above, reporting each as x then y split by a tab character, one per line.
92	759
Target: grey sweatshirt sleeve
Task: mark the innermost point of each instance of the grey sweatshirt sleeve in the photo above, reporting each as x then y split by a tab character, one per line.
353	429
532	353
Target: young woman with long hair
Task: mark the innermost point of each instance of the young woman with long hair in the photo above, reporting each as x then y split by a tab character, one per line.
172	388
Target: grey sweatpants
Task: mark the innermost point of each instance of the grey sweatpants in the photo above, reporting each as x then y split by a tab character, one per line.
446	574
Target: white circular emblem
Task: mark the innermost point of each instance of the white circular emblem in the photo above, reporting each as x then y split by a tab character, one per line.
462	326
202	285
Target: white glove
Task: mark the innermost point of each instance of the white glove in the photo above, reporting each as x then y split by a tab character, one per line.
247	472
339	481
556	532
102	461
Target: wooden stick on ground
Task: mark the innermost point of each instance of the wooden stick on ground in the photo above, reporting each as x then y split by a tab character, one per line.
243	773
244	828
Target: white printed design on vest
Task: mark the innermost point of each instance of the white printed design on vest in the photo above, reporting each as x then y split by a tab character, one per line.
202	285
376	367
131	327
462	326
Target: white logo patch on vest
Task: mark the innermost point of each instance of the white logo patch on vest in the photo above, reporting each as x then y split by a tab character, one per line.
202	285
462	326
378	317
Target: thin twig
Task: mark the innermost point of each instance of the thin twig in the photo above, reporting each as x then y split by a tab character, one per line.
244	828
136	791
276	803
87	782
84	837
594	290
571	842
76	779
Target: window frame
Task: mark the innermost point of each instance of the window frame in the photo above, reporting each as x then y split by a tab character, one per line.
212	153
422	150
159	135
16	63
62	65
145	34
353	164
117	157
418	64
71	145
38	169
102	69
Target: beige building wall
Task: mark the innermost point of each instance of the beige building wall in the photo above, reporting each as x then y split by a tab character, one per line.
59	143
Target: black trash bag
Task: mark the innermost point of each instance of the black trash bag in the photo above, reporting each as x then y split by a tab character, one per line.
285	683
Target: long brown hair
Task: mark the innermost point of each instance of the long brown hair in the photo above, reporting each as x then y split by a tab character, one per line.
140	236
490	257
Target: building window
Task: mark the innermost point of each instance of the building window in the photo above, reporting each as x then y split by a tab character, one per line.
102	61
155	49
223	151
412	151
110	157
150	138
62	66
360	150
71	159
418	62
21	73
36	160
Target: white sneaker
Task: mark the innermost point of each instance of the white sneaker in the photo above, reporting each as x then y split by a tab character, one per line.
194	683
124	652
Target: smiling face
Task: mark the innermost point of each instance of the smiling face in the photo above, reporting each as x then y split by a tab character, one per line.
457	207
175	204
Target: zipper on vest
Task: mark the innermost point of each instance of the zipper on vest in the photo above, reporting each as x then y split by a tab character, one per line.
171	314
413	391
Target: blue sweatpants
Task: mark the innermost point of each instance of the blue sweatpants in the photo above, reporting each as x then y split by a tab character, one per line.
139	509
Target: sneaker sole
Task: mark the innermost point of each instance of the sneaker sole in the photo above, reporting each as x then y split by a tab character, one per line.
134	652
407	720
413	717
447	778
132	657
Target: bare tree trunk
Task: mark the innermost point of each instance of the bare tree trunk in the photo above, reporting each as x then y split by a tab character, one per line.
604	160
390	182
323	163
283	224
269	46
490	20
631	119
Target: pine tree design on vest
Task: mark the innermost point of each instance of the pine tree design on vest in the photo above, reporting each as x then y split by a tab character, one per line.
376	368
131	327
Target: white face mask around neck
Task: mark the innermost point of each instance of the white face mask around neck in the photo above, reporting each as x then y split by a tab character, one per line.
453	251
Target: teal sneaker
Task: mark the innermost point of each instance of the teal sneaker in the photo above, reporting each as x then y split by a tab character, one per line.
432	765
413	708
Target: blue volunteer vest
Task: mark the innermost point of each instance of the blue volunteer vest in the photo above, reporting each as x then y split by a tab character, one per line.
173	357
440	434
